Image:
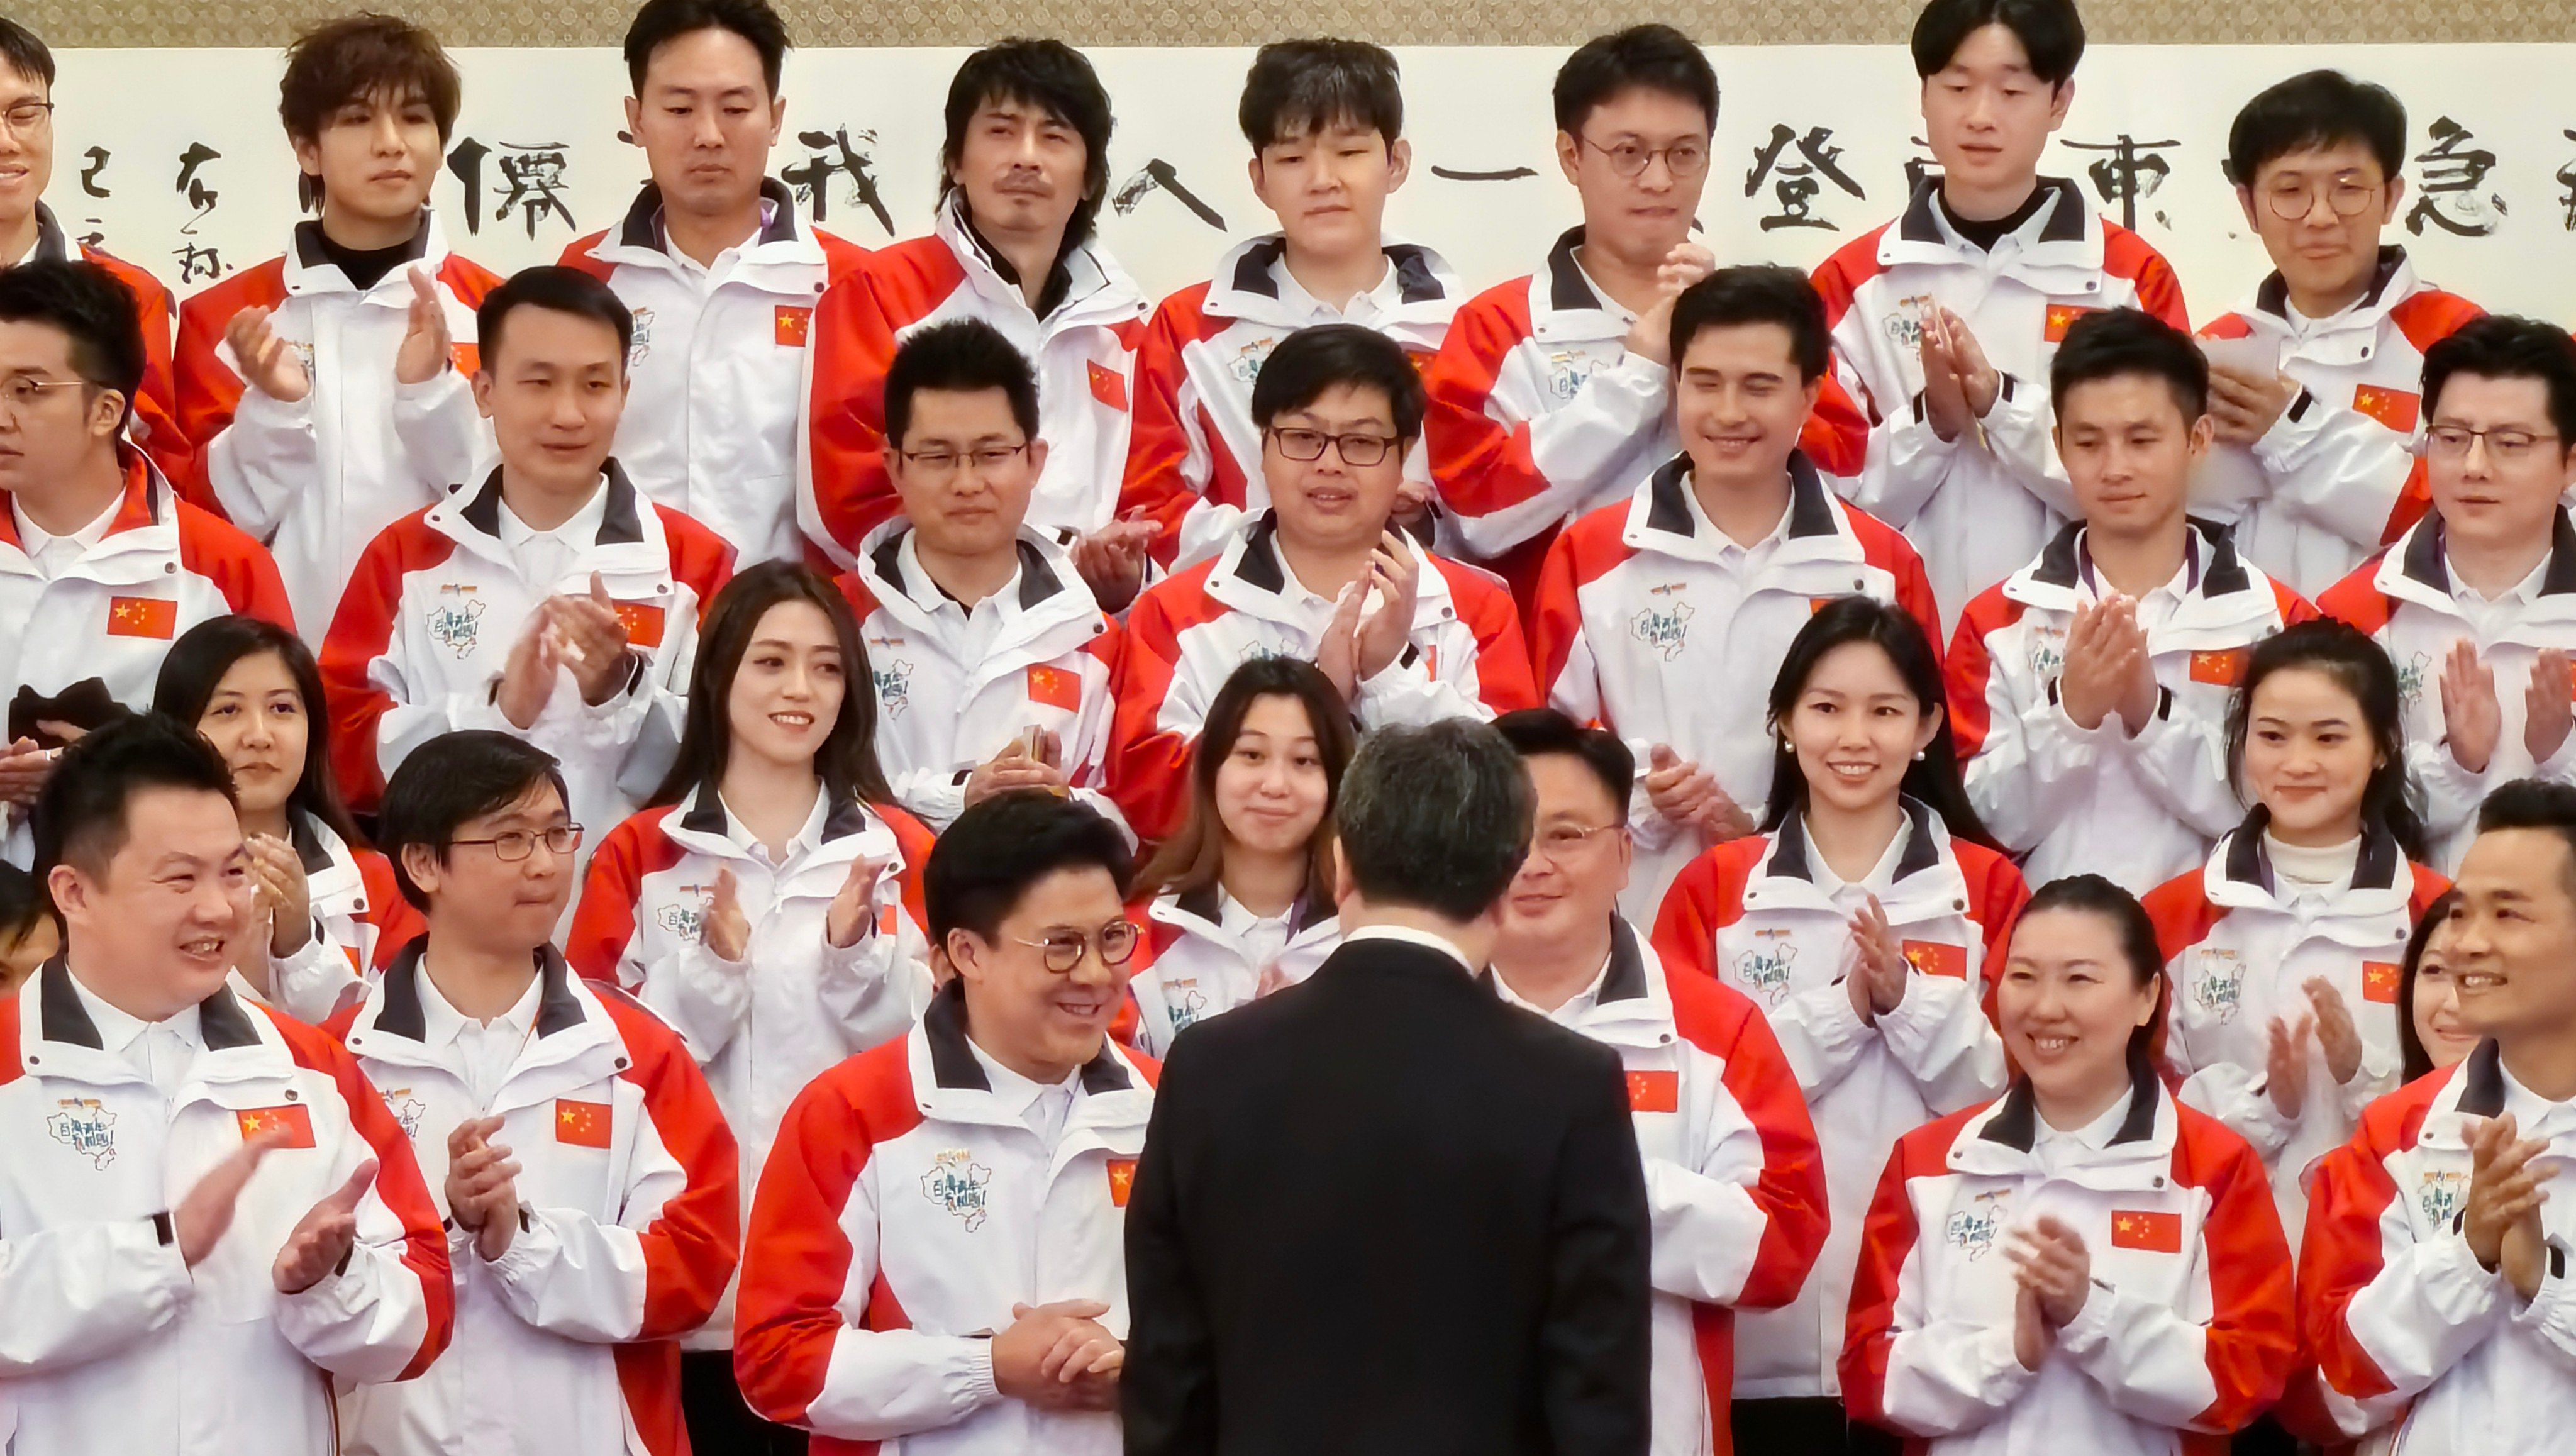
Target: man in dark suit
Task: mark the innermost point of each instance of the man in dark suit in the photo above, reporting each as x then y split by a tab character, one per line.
1383	1211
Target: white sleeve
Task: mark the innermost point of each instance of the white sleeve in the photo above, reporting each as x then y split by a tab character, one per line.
880	1384
2036	767
1405	693
261	462
2149	1361
1940	1035
2336	467
1822	1036
440	429
79	1291
704	996
1569	446
570	1274
2182	760
2019	434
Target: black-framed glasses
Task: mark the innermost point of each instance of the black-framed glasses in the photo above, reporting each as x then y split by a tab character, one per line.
1115	942
1358	450
25	116
512	845
2291	200
1685	159
942	463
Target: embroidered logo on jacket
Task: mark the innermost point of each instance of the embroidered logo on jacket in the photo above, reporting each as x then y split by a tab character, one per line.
1248	360
456	619
1568	371
1973	1230
1186	1002
2047	653
687	917
86	1127
1665	629
2410	678
2441	1196
643	346
2219	986
407	1110
894	686
1766	971
958	1183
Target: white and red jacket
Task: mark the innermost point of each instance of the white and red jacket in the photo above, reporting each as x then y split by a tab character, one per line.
2139	810
155	425
2335	478
1084	352
2186	1333
762	1027
1188	633
629	1221
952	691
1654	624
2239	951
904	1212
1752	914
318	478
1980	505
110	1341
1735	1189
360	920
1538	414
437	603
2406	600
2400	1315
716	376
1194	458
95	635
1188	966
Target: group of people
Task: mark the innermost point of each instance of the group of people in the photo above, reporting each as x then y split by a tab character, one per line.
625	859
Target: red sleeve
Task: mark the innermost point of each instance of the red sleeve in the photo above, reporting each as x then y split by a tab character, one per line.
914	839
1502	654
1969	668
1556	614
1887	1240
854	331
1885	547
2133	258
2357	599
396	921
2180	910
2343	1250
604	924
2252	1339
1791	1190
240	568
1158	437
2002	894
1149	766
156	404
700	559
206	389
1706	897
1479	464
399	1185
2293	607
2426	886
1836	435
690	1246
360	633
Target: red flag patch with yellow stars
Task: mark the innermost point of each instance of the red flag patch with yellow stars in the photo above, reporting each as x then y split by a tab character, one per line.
293	1119
142	617
1122	1180
2155	1233
581	1124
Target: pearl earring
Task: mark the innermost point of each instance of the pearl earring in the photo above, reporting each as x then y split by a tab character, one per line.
1918	755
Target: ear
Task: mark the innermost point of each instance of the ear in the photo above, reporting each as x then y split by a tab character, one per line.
308	155
2396	197
107	413
964	952
1930	728
1252	170
635	122
71	891
777	118
1037	458
1399	163
1814	389
1344	891
421	863
2245	202
482	386
1569	150
2061	97
2204	433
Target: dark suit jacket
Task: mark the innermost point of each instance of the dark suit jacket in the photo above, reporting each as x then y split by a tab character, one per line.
1385	1212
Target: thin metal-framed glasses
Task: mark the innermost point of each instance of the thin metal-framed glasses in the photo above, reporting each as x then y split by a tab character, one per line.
941	464
1561	841
2452	442
512	845
1685	159
2348	195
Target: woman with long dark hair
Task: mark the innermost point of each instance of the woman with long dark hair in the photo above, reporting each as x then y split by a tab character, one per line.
332	909
1240	901
767	903
2429	1034
2285	948
2085	1263
1867	920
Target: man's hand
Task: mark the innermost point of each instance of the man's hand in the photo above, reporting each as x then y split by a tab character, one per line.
1878	975
528	675
1959	386
2244	405
1980	383
2285	1064
1412	503
2096	677
23	770
592	638
724	930
1048	1350
2502	1218
1678	789
1722	819
2472	722
1337	653
1395	573
1017	768
2336	1035
324	1236
282	884
267	362
425	349
2050	1261
1111	560
853	906
2032	1338
202	1217
1651	336
2547	710
482	1187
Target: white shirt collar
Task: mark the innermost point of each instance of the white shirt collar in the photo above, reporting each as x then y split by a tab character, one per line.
441	1022
579	530
706	273
1576	1006
117	1029
1410	936
805	840
1016	1093
52	553
2523	592
1365	307
2093	1136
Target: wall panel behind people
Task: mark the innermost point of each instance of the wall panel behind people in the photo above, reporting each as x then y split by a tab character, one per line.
173	159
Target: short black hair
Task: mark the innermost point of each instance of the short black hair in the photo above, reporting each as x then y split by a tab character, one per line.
1758	293
2050	32
2498	346
26	54
659	22
80	815
353	57
559	289
1533	732
961	356
1649	57
2316	109
451	780
1042	73
1002	846
1435	817
2535	804
1298	87
23	903
86	302
1313	360
2117	343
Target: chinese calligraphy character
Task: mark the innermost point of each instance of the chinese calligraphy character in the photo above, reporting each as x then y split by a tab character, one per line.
833	153
196	263
533	173
2446	189
89	174
1507	174
2132	170
1158	176
1795	184
2567	178
1917	168
192	187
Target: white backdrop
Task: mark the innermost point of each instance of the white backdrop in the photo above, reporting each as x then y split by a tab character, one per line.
2492	135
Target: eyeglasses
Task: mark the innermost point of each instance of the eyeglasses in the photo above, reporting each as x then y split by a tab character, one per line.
2292	200
26	116
1559	842
513	845
20	392
1359	450
1064	949
938	465
2452	442
1685	159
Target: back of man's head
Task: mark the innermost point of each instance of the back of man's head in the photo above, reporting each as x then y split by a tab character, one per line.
1435	818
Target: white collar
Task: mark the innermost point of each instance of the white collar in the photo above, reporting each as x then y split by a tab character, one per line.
807	838
1410	936
579	530
723	260
2523	592
1235	919
1575	1006
1373	302
117	1029
2095	1135
1881	877
1016	1093
34	538
442	1023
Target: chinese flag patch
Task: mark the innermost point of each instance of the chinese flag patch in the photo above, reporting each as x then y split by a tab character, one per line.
2398	409
142	617
1107	385
468	358
1055	687
793	322
2224	668
2379	982
643	623
581	1124
293	1119
1122	1180
2156	1233
1654	1091
2061	317
1937	958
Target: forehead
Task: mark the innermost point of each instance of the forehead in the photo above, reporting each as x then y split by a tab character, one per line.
2121	399
1014	106
1647	113
1336	130
1763	347
708	55
18	85
1991	48
256	672
1276	715
1078	896
2325	159
161	822
960	414
1344	404
2482	399
2303	692
538	806
31	345
2520	864
2065	934
388	96
533	334
1856	667
1566	784
798	622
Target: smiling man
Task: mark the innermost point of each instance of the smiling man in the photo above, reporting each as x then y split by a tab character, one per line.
208	1219
2434	1285
937	1248
721	272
